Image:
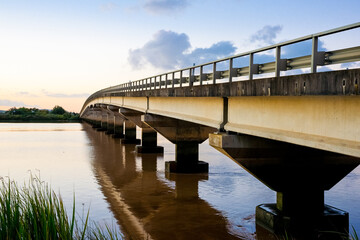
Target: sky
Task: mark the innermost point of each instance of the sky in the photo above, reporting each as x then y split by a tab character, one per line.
59	52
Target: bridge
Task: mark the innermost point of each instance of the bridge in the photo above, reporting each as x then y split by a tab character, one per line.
296	132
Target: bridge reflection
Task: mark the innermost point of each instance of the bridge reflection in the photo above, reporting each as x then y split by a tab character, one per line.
147	206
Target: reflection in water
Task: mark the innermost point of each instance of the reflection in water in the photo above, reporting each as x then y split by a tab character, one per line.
145	206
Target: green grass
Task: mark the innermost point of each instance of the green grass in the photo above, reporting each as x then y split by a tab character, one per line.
34	211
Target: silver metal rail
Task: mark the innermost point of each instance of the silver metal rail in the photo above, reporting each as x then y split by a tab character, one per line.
179	78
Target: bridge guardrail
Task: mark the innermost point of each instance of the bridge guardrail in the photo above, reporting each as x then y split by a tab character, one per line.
188	76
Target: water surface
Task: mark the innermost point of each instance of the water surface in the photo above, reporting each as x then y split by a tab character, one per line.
133	191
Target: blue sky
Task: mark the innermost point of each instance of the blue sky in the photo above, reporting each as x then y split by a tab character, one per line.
59	52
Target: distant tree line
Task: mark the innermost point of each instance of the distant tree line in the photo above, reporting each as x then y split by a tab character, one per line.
33	114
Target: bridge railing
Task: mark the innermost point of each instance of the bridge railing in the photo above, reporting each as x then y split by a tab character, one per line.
196	75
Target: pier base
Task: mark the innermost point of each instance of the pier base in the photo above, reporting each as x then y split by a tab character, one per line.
186	136
130	134
149	142
271	224
118	127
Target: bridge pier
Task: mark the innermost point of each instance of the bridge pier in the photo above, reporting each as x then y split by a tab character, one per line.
94	117
110	123
103	120
148	135
299	175
186	136
118	127
130	133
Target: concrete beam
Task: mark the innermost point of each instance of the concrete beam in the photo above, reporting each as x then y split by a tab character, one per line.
329	123
206	111
186	136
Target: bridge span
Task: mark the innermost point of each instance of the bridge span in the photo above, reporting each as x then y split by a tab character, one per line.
298	134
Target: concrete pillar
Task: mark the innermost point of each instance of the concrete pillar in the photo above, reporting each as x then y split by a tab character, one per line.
94	117
299	175
148	135
118	127
186	136
110	124
149	142
130	133
103	120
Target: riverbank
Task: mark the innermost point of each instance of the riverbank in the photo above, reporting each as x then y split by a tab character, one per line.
57	114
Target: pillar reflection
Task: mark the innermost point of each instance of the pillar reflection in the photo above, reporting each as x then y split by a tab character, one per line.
146	205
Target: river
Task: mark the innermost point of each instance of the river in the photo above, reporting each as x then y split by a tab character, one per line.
133	191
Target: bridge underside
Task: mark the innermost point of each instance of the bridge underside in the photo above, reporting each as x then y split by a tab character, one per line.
297	143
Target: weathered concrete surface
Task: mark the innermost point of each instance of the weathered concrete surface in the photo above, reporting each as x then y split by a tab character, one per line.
206	111
343	82
319	110
284	167
271	224
298	174
323	122
148	135
186	136
130	133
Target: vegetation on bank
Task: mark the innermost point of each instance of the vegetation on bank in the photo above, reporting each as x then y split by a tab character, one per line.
33	114
34	211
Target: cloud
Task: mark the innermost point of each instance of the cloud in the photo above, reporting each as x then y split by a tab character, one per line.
27	94
164	6
62	95
267	34
109	6
169	50
6	102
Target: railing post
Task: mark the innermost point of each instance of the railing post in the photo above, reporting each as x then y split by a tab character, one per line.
180	78
230	69
214	73
160	82
277	61
251	62
190	77
314	54
166	80
173	80
201	75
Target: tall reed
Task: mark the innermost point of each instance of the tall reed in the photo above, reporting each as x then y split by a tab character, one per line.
35	211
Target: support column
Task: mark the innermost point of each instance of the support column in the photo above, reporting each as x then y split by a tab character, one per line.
130	133
186	136
95	116
118	127
110	123
103	120
299	175
149	142
148	135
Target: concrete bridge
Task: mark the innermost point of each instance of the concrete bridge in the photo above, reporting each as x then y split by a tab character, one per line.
298	134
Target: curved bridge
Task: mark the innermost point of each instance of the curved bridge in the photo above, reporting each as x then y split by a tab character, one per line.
295	133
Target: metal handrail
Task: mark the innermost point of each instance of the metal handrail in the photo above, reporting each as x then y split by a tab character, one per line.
315	59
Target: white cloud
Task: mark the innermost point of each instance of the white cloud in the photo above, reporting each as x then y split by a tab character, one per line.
267	34
7	102
109	6
62	95
164	6
169	50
